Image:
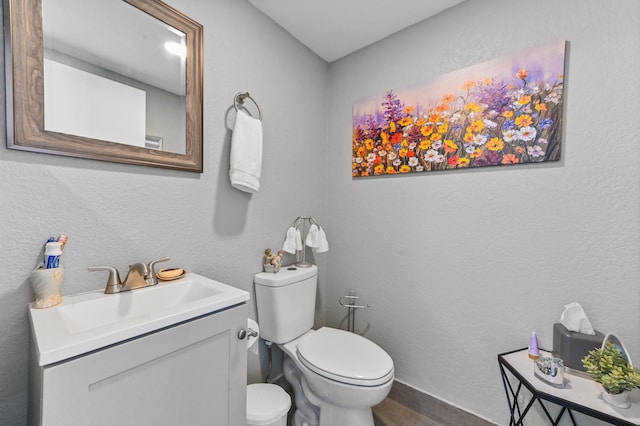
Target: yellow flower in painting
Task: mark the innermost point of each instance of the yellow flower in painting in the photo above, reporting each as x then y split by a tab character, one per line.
426	130
540	106
354	165
507	114
379	169
435	137
391	170
495	144
447	99
368	143
409	109
404	143
404	169
463	162
405	121
522	73
450	146
473	107
524	100
402	152
421	121
385	137
425	145
392	127
486	81
360	152
476	126
468	137
434	118
443	128
524	120
477	153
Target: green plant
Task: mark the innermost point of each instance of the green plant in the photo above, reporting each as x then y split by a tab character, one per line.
609	367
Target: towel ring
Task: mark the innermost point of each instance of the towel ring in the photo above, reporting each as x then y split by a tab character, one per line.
239	100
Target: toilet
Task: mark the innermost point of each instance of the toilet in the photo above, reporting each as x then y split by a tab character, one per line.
336	376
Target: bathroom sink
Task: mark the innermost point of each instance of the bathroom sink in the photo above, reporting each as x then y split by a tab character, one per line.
88	321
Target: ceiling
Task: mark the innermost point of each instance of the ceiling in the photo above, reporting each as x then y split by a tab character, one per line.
335	28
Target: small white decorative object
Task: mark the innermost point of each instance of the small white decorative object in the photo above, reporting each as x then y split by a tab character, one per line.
620	400
46	284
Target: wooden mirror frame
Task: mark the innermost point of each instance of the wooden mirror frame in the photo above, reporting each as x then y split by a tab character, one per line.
24	76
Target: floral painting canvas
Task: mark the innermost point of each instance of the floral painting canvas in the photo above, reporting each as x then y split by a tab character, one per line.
501	112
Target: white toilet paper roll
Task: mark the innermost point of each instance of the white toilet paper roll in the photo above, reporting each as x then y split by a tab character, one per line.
252	341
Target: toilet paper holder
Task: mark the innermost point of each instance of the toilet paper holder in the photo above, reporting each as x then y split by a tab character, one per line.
349	302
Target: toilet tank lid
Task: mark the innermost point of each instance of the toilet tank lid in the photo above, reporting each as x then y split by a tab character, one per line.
287	275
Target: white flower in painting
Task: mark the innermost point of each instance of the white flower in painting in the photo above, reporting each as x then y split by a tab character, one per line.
543	140
413	161
392	156
370	157
510	135
439	158
489	123
528	133
469	148
397	162
359	160
480	139
436	144
419	168
431	155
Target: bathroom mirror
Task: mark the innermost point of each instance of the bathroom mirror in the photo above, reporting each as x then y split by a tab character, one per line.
112	80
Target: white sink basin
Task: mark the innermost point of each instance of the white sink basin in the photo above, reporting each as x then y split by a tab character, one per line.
90	321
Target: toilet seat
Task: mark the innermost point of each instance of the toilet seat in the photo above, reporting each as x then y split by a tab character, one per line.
345	357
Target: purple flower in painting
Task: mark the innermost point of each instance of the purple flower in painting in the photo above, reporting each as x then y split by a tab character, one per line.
392	107
535	151
495	94
545	122
489	158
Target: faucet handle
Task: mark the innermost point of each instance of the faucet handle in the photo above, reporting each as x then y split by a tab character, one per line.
152	271
113	282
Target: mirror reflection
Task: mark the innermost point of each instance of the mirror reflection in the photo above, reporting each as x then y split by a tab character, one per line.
115	73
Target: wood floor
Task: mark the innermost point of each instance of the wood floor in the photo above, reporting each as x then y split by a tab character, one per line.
392	413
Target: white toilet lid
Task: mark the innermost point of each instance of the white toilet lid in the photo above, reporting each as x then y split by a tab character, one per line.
345	357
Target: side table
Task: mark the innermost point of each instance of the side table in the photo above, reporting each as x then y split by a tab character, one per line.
579	394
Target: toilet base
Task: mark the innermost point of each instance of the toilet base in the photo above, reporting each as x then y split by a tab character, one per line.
312	411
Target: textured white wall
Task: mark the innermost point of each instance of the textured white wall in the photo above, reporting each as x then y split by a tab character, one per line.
118	214
460	266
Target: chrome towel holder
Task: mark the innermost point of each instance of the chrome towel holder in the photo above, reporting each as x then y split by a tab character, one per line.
349	302
299	224
238	102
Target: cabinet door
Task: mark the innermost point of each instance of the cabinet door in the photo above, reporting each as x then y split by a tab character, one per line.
191	374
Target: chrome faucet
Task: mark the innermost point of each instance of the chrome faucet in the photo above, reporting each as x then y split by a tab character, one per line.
139	275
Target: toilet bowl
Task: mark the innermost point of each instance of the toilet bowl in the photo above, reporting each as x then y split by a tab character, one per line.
336	376
340	373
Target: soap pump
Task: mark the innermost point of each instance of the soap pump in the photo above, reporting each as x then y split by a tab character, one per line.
534	352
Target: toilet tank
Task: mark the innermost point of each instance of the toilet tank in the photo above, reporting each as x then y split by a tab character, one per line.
286	302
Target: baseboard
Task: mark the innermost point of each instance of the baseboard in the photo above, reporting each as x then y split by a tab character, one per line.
434	408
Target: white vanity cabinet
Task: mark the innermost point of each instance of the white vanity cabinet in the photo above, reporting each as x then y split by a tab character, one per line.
191	373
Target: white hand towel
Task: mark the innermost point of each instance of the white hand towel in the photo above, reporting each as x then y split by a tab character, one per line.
246	153
312	236
322	243
292	241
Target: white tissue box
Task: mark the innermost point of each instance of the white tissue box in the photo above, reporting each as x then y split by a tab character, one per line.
572	346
